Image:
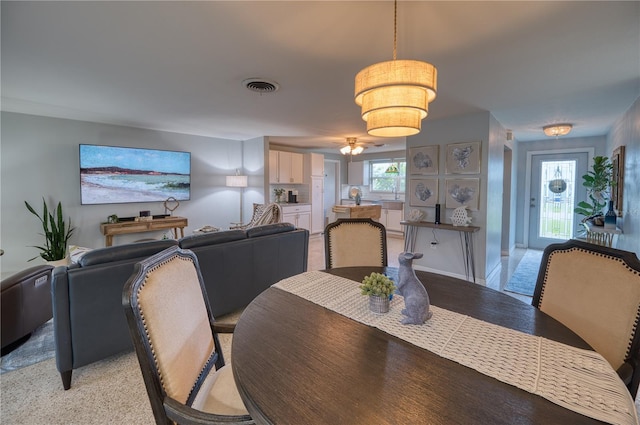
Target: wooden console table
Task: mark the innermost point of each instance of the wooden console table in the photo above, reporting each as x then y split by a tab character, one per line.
109	230
466	241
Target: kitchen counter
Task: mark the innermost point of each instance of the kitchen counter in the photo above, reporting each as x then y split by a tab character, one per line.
357	211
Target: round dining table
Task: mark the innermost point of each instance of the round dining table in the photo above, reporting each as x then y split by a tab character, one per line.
295	362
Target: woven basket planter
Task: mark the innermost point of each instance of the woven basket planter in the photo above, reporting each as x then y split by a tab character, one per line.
378	304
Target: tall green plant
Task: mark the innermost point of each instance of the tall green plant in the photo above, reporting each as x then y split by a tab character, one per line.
56	232
598	182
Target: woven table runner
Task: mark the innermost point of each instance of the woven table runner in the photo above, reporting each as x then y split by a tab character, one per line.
577	379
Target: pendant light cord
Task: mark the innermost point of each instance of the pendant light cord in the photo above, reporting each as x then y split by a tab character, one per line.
395	28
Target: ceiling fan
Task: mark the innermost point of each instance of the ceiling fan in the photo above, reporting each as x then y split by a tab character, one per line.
353	147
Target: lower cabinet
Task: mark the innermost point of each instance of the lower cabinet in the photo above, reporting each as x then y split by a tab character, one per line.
298	215
391	220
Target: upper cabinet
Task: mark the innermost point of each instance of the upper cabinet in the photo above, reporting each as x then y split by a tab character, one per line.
314	165
358	173
285	167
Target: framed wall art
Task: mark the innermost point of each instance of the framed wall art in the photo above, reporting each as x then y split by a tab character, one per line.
463	192
617	160
463	158
423	160
423	192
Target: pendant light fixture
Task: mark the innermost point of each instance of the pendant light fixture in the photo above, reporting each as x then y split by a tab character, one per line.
395	95
392	169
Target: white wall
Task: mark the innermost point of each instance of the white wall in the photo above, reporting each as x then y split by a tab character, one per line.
626	132
447	258
39	157
598	143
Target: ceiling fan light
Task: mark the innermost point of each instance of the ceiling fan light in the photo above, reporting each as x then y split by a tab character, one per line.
556	130
351	148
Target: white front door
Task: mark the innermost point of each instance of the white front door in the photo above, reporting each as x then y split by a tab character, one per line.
556	188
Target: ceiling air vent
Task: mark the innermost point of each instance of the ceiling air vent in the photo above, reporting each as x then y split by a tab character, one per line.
260	85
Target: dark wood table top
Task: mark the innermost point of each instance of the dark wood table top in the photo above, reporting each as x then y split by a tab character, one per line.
298	363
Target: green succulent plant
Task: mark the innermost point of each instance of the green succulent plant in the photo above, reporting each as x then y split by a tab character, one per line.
56	232
377	284
598	182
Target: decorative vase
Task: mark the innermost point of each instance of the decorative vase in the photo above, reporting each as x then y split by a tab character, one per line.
378	303
610	218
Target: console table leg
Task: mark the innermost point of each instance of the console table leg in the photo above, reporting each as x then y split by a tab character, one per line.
467	254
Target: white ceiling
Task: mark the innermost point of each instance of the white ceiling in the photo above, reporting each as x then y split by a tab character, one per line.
178	66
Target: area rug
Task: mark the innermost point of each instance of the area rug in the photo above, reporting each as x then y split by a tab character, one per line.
523	280
39	347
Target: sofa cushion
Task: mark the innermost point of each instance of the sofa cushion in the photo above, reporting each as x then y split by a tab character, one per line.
124	252
215	238
269	229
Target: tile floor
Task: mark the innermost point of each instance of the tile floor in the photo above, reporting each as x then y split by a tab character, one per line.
395	245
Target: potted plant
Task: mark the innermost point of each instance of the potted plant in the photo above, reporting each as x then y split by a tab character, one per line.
379	289
278	191
598	182
56	232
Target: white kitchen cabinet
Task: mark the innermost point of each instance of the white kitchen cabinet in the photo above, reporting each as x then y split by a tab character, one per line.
285	167
314	165
298	215
358	173
316	196
391	219
273	167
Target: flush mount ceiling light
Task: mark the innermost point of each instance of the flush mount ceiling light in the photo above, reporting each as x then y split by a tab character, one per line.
395	95
351	148
556	130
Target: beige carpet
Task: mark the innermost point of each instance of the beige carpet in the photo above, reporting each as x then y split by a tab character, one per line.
110	391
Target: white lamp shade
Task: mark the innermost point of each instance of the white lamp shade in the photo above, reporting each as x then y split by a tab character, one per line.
236	181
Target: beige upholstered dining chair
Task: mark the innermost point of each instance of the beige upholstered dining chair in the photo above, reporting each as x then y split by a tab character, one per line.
176	341
595	291
355	242
263	214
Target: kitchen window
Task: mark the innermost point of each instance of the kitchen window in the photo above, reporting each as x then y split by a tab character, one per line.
384	182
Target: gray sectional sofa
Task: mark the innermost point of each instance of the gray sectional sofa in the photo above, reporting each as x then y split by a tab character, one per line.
236	265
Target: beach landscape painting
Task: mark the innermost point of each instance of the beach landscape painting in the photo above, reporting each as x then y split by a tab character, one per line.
112	175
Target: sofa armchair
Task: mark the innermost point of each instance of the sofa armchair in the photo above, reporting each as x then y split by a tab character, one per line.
26	304
236	265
